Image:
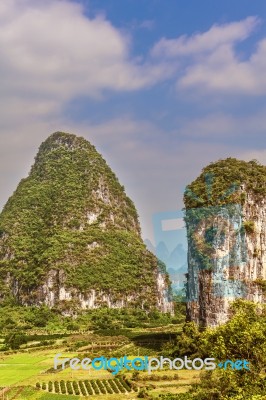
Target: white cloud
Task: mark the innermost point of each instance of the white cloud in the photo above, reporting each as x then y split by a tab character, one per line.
147	24
53	49
216	36
209	61
223	72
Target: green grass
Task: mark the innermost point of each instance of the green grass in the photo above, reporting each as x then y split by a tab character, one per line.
29	393
51	396
19	368
16	373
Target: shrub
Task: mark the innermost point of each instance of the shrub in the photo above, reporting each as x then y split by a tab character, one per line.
107	386
76	388
142	393
95	387
88	387
63	387
262	284
101	386
249	226
125	384
15	340
113	385
135	375
82	388
119	385
56	387
69	387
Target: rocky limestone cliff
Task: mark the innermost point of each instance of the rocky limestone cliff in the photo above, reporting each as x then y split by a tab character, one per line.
226	229
70	236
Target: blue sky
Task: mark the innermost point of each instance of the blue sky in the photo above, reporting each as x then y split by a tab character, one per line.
161	88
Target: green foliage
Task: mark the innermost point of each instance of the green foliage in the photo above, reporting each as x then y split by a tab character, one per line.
38	316
113	321
262	284
117	385
228	175
63	387
117	320
143	394
50	386
16	318
179	301
181	396
243	337
249	226
186	343
15	339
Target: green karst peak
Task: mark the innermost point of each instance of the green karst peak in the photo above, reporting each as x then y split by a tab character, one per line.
70	236
220	183
226	230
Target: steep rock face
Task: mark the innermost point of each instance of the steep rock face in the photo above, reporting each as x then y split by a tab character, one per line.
226	229
70	236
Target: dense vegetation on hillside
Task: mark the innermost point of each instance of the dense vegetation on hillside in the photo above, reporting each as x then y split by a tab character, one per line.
20	320
220	181
243	337
71	215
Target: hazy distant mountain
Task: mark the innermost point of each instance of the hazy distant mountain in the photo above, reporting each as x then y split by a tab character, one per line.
174	260
162	252
178	257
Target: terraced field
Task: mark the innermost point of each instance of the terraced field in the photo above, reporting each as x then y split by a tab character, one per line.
88	387
28	374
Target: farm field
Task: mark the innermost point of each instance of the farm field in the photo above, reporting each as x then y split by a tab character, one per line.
28	374
27	360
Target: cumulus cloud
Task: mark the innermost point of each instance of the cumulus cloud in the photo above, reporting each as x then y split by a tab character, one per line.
216	36
210	60
223	72
52	49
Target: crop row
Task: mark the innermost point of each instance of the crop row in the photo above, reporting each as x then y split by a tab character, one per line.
87	387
